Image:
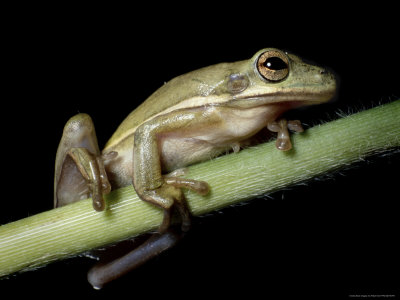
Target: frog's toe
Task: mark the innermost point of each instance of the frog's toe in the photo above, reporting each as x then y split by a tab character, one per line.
98	202
200	187
166	222
184	214
295	125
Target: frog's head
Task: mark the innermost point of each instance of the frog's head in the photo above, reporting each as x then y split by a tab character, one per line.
273	76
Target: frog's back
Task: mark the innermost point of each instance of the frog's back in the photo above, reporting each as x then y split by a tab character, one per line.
190	85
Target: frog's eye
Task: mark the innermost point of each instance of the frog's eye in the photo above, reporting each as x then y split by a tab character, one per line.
273	65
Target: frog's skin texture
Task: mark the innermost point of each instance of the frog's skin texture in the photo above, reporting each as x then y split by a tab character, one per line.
192	118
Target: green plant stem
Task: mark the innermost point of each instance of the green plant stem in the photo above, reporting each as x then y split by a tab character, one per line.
73	229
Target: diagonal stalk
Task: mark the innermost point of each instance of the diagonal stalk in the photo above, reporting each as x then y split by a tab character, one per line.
73	229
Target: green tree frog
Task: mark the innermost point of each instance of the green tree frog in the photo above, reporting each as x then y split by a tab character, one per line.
192	118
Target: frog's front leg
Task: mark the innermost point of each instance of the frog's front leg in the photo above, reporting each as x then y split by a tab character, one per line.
149	183
80	170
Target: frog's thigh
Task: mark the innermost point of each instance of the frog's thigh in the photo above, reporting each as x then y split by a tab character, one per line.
78	132
78	147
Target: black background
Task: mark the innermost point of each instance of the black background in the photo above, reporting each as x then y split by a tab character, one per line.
332	237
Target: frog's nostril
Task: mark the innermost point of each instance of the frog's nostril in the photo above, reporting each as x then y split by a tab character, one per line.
322	71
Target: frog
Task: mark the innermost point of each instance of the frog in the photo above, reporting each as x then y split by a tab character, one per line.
192	118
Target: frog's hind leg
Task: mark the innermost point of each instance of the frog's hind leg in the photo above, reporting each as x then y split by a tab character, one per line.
102	274
79	165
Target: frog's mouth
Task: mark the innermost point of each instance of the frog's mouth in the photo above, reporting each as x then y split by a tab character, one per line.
287	100
294	95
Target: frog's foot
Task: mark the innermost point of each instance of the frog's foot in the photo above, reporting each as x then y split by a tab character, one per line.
92	170
170	195
281	127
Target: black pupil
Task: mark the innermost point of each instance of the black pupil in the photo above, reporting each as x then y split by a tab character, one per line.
275	63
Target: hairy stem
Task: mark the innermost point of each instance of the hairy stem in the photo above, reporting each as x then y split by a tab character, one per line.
73	229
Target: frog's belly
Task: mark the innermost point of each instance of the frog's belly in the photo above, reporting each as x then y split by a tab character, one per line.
209	141
180	152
